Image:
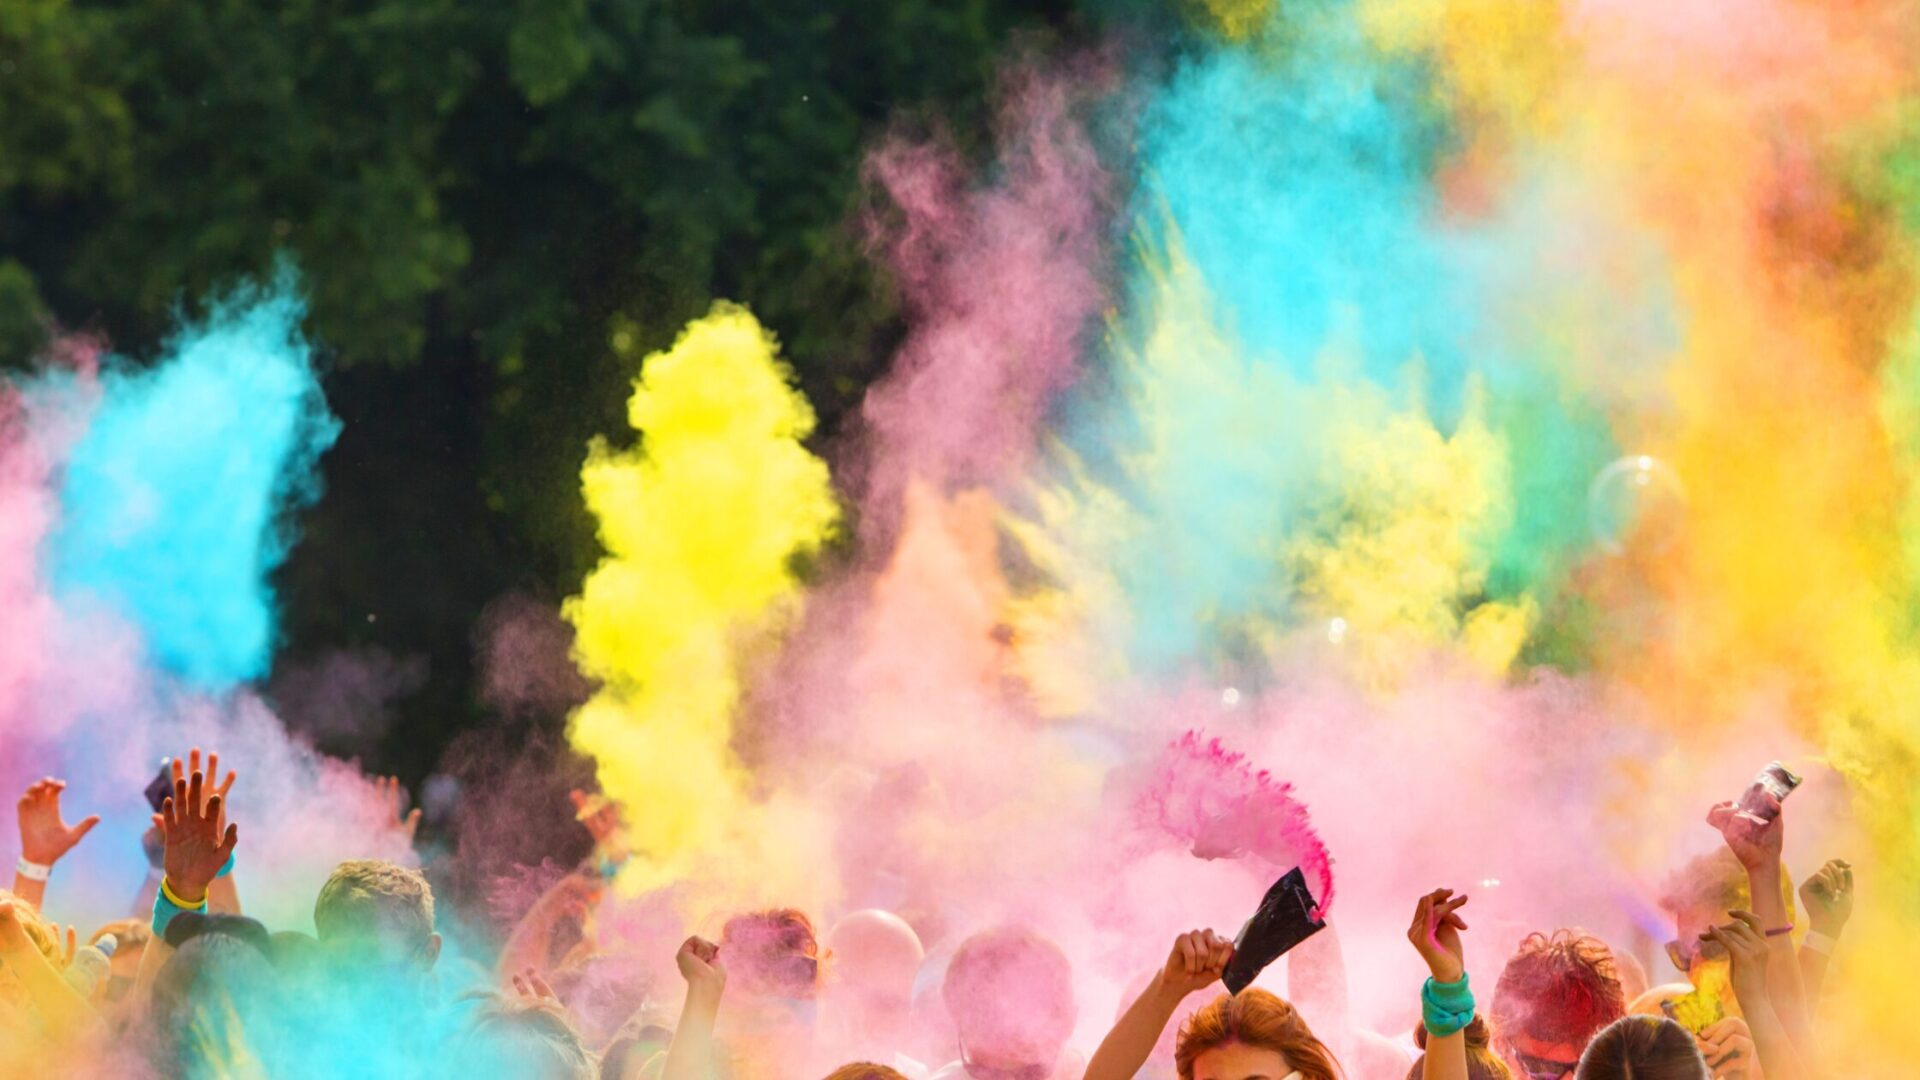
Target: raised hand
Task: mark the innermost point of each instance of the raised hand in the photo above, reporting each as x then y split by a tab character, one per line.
1727	1046
44	835
1756	843
393	796
1746	945
1198	959
530	986
1828	897
699	962
190	823
1435	934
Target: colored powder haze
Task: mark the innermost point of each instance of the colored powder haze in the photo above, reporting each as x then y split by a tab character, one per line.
1229	506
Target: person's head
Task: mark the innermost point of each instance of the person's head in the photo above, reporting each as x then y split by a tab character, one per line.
774	975
208	997
1554	994
376	915
865	1070
876	957
1643	1048
41	935
772	954
1252	1035
1698	896
1009	992
523	1039
1482	1062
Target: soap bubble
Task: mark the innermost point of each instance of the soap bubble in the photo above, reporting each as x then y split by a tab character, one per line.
1636	502
1230	697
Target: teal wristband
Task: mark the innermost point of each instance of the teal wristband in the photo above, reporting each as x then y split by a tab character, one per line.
1446	1008
164	910
226	867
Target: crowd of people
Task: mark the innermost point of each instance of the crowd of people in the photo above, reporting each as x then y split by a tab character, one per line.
192	987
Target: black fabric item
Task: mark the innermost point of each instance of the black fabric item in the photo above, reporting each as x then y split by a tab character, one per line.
1285	919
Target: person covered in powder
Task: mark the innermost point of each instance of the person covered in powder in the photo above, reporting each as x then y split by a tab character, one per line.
1009	993
1235	1037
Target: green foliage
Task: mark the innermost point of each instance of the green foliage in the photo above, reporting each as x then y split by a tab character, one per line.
499	208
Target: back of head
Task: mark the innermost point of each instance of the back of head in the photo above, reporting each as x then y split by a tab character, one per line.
876	952
772	954
1642	1048
519	1039
204	997
1482	1062
1259	1019
37	930
865	1070
1558	989
376	913
1009	992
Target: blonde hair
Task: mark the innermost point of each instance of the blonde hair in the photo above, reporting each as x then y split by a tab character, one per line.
364	895
38	931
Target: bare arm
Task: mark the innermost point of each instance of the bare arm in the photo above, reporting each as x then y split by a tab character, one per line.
690	1057
1197	961
1435	935
1746	943
1758	845
1827	897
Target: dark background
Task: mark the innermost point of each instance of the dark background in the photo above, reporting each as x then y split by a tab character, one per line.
499	209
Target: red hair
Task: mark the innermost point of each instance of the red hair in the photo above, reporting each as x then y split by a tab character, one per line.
1559	989
773	953
1256	1018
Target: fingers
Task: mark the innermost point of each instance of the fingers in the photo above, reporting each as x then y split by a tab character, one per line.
540	987
196	791
213	774
227	844
81	830
73	944
1720	814
1219	952
1189	958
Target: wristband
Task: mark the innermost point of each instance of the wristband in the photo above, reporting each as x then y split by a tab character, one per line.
166	906
166	890
1446	1008
226	867
1819	943
1779	931
33	871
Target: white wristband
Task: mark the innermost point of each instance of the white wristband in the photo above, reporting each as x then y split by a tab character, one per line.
1819	943
32	871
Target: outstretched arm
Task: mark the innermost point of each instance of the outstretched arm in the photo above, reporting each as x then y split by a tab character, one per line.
44	838
1746	943
1447	1005
1758	845
690	1057
1827	897
1197	961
